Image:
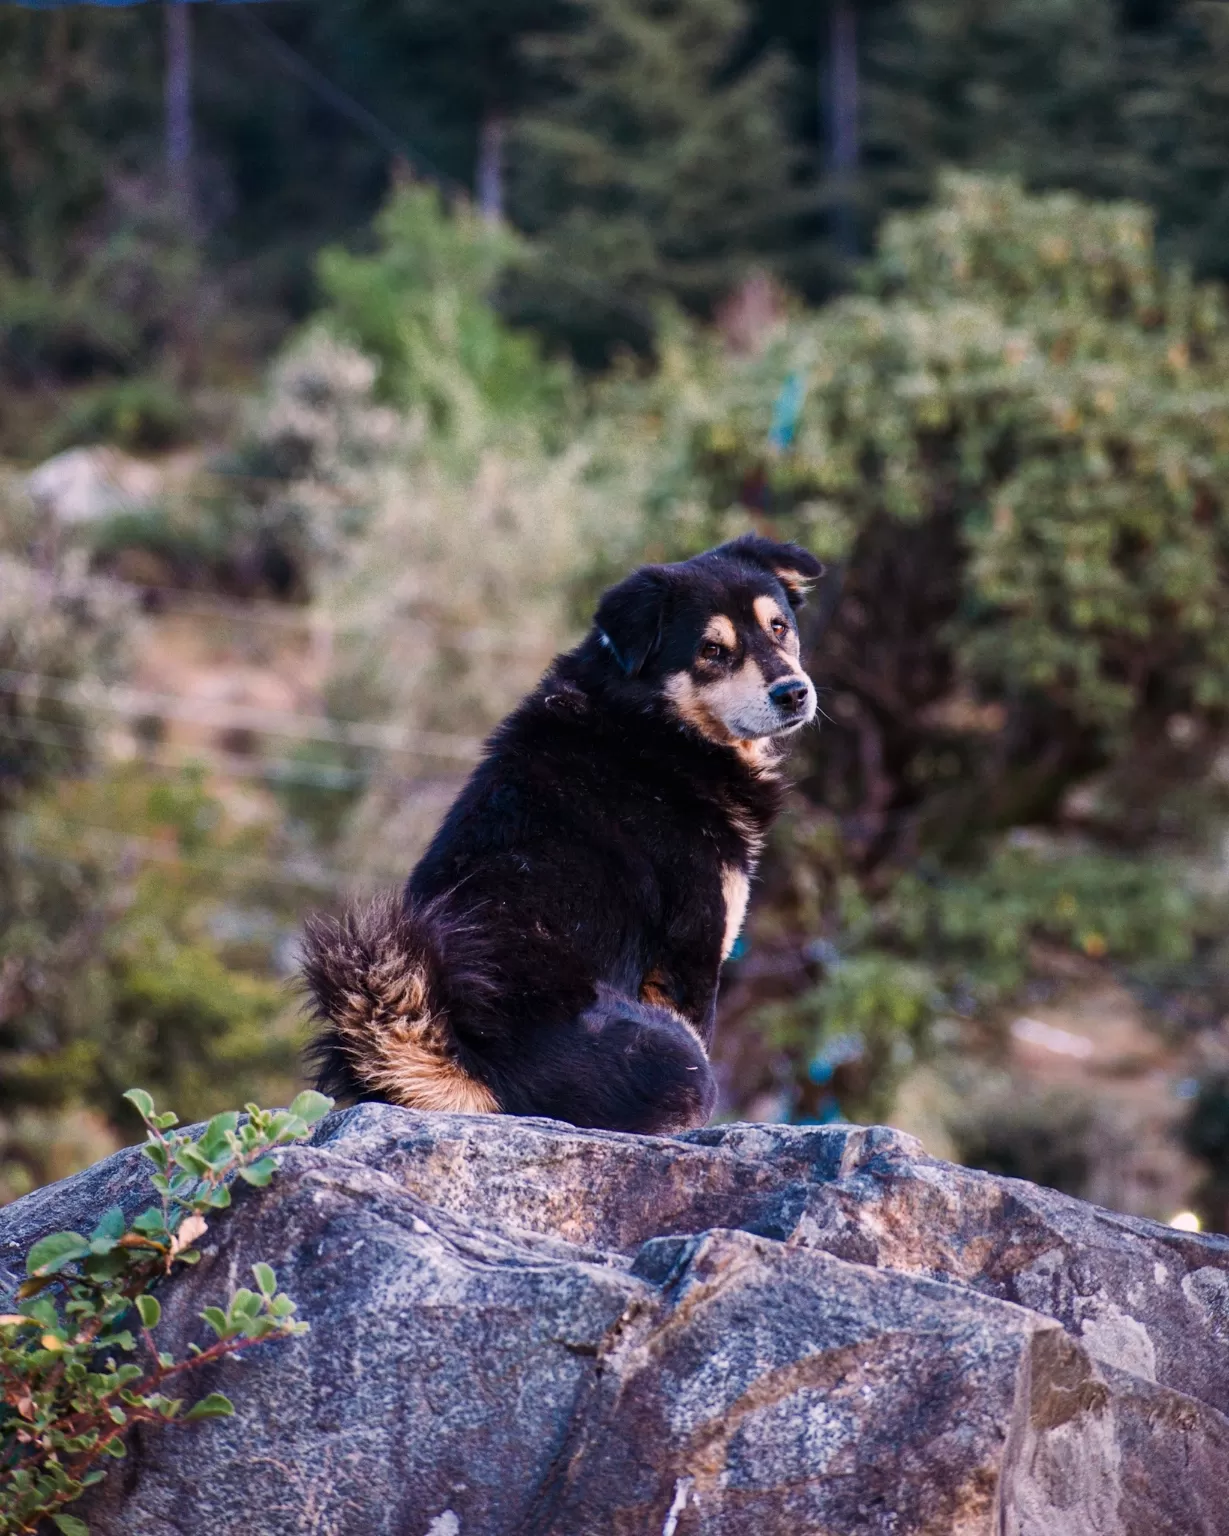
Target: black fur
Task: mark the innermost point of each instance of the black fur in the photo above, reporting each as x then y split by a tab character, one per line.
583	858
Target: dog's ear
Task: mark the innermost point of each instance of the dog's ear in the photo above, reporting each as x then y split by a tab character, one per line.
795	568
630	618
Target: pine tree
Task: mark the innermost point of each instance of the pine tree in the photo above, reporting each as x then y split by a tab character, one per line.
446	73
1030	87
661	170
1179	121
1108	99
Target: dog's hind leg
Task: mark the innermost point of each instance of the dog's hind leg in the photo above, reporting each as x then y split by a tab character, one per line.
623	1065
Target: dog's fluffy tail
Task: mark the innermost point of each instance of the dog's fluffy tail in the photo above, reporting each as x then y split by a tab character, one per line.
381	979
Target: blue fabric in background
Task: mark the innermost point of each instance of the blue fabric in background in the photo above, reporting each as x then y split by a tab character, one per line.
786	411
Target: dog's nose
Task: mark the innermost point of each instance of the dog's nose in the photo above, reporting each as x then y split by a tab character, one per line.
790	697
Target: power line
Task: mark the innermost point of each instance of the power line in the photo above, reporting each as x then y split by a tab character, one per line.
362	117
282	770
342	102
288	616
290	872
286	873
137	703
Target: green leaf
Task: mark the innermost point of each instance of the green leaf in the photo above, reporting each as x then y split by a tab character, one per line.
217	1320
244	1303
166	1120
43	1313
259	1173
151	1223
141	1102
188	1157
150	1310
310	1106
70	1525
215	1406
50	1254
111	1224
219	1198
265	1279
32	1287
106	1266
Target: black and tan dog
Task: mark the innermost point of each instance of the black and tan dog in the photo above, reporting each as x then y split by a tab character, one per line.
557	949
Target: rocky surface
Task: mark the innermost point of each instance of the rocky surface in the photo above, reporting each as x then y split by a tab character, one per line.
83	484
518	1327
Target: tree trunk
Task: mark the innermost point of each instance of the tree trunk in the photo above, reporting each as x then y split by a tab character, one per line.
842	107
491	168
178	100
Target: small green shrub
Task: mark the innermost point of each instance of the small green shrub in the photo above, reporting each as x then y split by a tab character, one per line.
957	942
210	540
980	925
420	306
114	982
79	1364
142	415
1010	439
856	1034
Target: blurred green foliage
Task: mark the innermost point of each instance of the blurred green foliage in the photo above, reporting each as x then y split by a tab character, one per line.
654	152
112	966
115	884
1049	1136
921	947
141	415
657	168
1014	440
421	306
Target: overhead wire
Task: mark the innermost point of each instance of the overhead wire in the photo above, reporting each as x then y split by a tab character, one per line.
362	117
276	872
139	703
234	765
292	872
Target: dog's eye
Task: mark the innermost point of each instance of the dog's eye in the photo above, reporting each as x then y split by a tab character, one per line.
711	651
779	628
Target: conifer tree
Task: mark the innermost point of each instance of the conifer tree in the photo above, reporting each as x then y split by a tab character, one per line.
1109	99
661	170
442	74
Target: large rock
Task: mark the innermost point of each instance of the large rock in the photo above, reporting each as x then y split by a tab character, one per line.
518	1327
81	485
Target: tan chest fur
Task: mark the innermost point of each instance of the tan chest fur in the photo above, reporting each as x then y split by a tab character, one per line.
735	888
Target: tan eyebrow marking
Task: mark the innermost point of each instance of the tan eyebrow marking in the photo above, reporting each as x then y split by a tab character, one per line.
767	609
720	630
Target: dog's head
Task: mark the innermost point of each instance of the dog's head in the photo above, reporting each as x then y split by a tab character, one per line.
716	638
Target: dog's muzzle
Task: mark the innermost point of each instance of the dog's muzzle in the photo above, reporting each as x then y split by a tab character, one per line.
794	701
